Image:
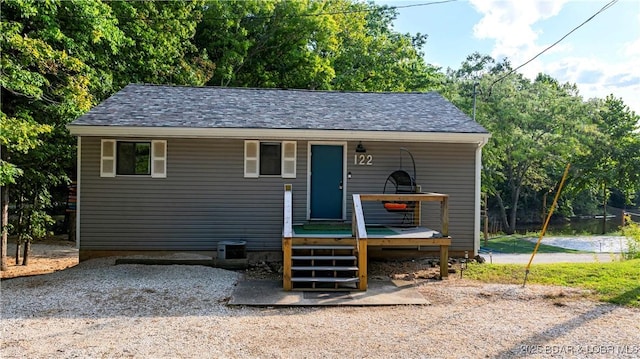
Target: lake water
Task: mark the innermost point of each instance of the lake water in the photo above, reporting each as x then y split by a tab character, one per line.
598	244
574	226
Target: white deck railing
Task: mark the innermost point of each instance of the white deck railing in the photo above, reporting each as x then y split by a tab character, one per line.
287	229
358	226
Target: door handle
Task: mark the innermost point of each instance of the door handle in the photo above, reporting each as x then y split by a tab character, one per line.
340	186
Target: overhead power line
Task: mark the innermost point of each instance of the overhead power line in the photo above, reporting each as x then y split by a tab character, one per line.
604	8
351	10
422	4
369	9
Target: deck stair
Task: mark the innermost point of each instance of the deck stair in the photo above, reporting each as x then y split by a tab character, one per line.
324	267
331	261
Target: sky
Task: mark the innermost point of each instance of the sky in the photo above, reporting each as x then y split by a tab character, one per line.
601	58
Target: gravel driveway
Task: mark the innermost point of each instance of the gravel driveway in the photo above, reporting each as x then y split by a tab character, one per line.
97	310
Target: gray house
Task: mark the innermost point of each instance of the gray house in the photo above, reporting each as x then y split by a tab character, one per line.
171	168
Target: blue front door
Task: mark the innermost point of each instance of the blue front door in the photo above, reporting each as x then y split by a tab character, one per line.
326	182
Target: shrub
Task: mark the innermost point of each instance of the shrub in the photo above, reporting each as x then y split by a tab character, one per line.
632	231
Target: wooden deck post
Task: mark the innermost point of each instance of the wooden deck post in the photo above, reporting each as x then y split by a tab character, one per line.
417	214
359	230
444	261
417	211
362	264
444	215
286	257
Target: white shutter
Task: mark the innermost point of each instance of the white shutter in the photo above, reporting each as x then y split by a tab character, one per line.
108	158
251	159
158	159
289	159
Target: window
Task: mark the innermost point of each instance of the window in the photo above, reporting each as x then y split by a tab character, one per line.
270	159
133	158
138	158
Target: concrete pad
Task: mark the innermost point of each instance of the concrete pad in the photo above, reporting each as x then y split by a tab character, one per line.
196	260
270	293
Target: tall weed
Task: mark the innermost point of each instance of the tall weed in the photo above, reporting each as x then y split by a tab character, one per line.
632	231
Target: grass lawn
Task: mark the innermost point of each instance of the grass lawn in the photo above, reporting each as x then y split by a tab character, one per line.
613	282
516	244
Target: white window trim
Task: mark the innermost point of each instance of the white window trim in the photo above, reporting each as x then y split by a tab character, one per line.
256	157
113	157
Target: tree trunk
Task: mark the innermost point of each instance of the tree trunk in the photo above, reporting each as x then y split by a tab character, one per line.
5	227
72	226
503	213
486	220
20	229
604	208
25	255
18	252
514	211
544	207
27	229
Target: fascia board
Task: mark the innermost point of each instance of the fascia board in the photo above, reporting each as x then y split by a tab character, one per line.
259	133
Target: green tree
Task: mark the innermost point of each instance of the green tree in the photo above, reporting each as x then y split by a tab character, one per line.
327	45
268	43
612	160
17	135
59	58
374	57
45	84
535	127
158	44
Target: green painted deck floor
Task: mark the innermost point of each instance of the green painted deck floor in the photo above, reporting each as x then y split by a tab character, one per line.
337	229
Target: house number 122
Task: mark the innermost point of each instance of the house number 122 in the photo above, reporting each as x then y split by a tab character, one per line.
363	160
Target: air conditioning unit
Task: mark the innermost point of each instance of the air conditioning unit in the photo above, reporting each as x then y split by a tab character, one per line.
232	250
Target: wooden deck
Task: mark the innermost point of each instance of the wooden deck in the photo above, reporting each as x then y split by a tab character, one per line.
362	236
394	236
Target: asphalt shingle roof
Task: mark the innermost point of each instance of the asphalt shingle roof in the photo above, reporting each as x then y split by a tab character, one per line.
220	107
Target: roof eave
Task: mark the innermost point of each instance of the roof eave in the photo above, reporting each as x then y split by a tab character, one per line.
272	133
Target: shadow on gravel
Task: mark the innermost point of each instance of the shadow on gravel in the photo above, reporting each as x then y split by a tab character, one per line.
536	344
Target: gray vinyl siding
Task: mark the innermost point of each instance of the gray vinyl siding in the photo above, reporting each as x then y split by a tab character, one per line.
205	197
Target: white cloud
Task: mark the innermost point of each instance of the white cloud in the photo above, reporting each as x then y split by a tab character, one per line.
596	78
511	23
632	49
